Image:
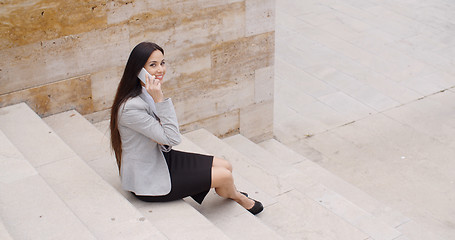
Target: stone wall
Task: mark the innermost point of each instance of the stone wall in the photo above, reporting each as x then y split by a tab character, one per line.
61	55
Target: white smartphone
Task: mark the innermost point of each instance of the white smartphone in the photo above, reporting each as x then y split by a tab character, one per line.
141	75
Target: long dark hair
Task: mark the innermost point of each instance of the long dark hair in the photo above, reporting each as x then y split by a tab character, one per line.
129	87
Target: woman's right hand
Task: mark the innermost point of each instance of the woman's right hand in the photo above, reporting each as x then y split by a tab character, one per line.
153	87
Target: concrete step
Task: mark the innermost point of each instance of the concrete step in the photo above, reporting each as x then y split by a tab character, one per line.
93	146
29	207
287	221
297	216
103	210
316	174
4	234
408	227
269	184
330	199
233	219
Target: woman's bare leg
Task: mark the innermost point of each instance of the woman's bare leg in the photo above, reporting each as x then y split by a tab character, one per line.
223	182
218	162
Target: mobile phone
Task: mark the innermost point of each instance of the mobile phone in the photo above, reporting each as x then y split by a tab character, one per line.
141	75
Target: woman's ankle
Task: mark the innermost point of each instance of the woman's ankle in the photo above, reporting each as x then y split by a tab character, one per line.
245	202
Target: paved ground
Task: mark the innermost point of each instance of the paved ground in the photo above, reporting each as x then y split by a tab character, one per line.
366	89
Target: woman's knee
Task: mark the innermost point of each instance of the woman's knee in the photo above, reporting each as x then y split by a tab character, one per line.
218	162
221	177
228	165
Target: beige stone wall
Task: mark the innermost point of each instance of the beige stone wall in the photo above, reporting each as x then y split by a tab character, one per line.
61	55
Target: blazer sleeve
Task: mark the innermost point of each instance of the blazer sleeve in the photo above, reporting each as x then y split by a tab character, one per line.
164	132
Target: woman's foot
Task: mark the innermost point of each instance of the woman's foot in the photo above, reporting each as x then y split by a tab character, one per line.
249	204
257	208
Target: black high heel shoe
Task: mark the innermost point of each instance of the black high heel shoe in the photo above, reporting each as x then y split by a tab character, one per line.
257	207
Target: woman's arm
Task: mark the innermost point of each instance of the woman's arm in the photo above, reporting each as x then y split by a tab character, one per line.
165	132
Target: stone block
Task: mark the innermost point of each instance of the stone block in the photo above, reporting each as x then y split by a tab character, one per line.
70	56
45	100
104	86
187	72
188	23
229	23
232	60
207	104
256	121
26	22
222	125
264	84
260	16
119	12
195	4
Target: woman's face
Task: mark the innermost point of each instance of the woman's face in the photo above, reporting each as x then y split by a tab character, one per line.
155	65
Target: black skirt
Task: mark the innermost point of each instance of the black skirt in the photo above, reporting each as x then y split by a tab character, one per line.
191	175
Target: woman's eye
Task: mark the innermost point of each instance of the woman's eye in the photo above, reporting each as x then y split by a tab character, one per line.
152	65
163	63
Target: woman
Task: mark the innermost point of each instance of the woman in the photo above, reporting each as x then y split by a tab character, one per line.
143	130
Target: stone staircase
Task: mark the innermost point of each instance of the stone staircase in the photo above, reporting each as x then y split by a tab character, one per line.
59	180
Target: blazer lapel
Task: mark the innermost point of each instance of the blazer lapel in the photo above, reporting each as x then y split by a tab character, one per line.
150	109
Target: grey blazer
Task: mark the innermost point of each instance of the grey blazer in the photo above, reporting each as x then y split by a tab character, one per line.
144	133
